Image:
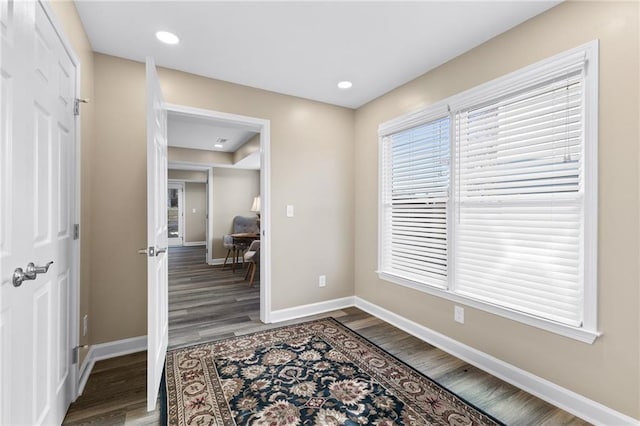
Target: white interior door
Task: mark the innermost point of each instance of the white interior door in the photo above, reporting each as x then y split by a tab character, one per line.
157	272
37	147
175	213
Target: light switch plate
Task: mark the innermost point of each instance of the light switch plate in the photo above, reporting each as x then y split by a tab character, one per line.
289	210
458	314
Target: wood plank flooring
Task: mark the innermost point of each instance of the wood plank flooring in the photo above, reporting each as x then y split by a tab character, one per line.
208	303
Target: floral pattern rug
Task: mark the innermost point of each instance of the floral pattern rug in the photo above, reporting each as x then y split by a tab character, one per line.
314	373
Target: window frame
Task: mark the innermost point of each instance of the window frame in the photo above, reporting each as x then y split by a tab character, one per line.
517	80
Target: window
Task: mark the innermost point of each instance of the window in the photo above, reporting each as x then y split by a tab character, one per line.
415	203
489	197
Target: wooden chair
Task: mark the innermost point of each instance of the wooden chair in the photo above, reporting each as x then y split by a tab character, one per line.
241	224
252	257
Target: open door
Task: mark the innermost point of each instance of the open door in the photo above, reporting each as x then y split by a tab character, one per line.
157	272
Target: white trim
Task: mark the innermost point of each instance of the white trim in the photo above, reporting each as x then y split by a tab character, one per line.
590	191
576	333
311	309
74	293
186	180
263	127
424	115
85	372
524	77
209	229
265	221
194	243
108	350
217	261
563	398
251	123
180	186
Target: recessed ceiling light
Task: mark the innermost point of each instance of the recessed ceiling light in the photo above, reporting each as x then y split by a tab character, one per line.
167	37
218	145
345	84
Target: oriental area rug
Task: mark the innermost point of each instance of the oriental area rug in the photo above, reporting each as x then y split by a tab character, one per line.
313	373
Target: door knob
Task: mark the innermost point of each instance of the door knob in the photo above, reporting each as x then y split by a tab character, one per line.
161	250
147	251
20	275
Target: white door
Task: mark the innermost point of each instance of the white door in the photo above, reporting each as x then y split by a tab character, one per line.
175	213
37	156
157	272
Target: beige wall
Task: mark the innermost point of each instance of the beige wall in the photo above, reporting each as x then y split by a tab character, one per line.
313	166
195	198
607	371
232	191
187	175
68	17
199	156
248	148
312	157
119	202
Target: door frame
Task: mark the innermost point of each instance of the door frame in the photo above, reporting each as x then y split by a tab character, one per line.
180	185
262	126
74	288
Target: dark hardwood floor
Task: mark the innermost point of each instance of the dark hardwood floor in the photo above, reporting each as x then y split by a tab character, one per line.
209	303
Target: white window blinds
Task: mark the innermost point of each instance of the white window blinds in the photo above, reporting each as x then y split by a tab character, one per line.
519	200
415	198
489	197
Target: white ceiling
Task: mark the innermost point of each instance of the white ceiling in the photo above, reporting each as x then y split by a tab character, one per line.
303	48
197	132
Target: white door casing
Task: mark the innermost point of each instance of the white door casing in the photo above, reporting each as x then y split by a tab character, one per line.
263	127
38	78
157	265
179	239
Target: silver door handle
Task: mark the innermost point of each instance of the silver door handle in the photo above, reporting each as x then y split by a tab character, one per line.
19	275
147	251
161	250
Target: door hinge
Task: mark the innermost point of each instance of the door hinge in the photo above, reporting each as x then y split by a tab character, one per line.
76	231
76	105
75	353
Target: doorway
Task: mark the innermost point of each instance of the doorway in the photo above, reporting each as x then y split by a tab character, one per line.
175	213
209	300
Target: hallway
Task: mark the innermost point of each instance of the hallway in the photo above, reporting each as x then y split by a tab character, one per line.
208	302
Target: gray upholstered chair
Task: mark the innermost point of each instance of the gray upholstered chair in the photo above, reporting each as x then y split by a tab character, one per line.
252	257
240	225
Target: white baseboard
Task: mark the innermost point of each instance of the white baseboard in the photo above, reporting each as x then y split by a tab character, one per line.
311	309
108	350
576	404
219	261
570	401
194	243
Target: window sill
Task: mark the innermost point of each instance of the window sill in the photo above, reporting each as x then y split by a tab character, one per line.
576	333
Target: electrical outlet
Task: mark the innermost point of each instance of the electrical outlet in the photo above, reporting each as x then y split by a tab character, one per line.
458	314
322	280
85	324
193	210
